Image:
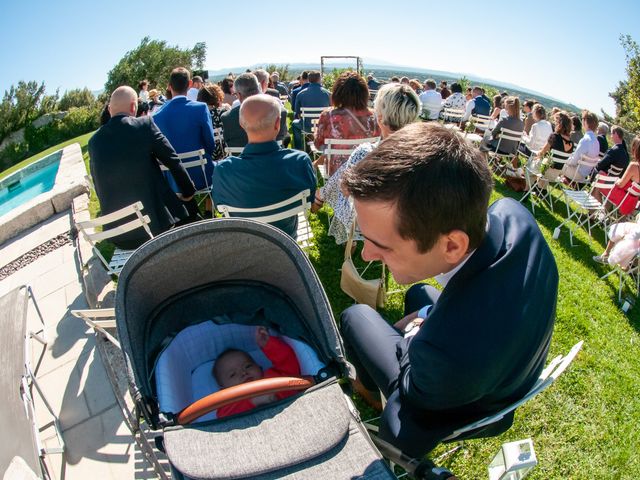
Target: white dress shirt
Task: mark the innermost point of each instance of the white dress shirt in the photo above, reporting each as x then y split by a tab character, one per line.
588	145
538	136
431	103
192	94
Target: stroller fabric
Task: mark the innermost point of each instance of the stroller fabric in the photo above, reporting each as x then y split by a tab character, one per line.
183	372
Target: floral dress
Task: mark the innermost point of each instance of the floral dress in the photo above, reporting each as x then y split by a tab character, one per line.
216	121
343	214
345	124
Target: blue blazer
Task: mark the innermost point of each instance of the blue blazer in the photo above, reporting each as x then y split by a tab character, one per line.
187	126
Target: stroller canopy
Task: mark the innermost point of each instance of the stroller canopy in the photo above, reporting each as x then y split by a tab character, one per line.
204	270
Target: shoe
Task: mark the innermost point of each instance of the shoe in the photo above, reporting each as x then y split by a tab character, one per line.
603	259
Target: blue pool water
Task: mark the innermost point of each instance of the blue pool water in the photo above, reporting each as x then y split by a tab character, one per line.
30	186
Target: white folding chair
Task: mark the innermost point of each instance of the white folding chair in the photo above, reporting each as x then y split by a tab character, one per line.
196	159
586	163
298	206
499	161
88	230
612	210
615	171
99	319
588	209
537	186
452	115
233	151
308	115
338	147
632	271
481	122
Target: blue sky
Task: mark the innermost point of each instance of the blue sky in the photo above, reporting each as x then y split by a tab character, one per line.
565	49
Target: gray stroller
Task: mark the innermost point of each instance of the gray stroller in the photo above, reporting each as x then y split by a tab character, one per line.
193	292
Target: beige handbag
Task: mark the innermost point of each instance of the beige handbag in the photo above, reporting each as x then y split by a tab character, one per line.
368	292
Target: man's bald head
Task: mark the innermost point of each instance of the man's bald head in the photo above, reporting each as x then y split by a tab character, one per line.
124	101
260	117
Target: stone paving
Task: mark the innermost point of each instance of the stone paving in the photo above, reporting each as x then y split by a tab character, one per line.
70	372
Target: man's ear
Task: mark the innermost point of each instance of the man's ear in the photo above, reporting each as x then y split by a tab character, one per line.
277	124
190	83
455	246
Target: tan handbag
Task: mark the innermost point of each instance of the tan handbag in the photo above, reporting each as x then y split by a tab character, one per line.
368	292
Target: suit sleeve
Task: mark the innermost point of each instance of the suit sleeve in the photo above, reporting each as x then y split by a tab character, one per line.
605	163
207	132
432	378
164	152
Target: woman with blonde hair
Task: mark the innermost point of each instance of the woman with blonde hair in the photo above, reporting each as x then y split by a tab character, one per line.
395	106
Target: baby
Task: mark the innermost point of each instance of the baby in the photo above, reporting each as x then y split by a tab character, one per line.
234	367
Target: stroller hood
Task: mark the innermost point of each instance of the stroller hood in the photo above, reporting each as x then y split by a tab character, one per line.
193	273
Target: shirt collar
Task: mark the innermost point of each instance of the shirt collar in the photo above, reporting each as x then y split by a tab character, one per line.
444	278
261	148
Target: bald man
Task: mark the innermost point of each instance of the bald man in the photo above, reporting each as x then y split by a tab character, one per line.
124	165
264	173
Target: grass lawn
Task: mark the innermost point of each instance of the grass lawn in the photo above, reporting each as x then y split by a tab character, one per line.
585	426
82	140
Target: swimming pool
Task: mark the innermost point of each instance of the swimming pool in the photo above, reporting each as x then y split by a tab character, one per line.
18	189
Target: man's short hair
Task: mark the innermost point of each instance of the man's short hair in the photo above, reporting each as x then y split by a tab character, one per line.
435	178
618	131
267	121
456	87
305	75
538	111
197	78
591	119
314	76
603	128
179	80
477	89
431	83
261	75
246	85
528	103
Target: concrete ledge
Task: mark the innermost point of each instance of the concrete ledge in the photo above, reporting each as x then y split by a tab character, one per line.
24	217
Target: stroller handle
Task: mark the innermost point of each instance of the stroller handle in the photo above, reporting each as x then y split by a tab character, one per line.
244	391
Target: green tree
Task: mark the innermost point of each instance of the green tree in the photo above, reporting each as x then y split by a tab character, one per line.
283	71
627	93
22	104
78	97
153	60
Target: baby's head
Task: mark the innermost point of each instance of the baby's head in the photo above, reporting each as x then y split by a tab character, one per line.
234	367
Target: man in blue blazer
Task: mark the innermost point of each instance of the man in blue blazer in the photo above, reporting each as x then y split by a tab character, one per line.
187	125
480	343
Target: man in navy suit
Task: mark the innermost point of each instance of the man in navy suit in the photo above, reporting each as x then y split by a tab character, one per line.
187	125
480	343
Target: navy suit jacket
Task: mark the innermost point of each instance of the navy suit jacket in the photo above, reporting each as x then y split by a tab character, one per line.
187	126
124	165
485	341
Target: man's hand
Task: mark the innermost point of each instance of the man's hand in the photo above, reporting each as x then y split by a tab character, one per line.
403	322
262	336
183	198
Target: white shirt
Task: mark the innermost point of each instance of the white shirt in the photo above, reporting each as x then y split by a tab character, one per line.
588	145
192	94
471	104
540	132
144	95
431	103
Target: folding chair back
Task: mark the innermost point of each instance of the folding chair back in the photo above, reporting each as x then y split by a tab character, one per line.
296	205
615	171
308	114
585	163
338	147
499	160
481	122
87	228
550	374
233	151
452	115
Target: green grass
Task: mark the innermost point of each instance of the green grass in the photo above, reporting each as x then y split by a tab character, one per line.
584	426
82	140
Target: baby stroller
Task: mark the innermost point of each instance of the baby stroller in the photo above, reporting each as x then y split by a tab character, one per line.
190	293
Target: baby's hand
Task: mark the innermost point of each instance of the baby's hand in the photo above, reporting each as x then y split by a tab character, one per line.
262	336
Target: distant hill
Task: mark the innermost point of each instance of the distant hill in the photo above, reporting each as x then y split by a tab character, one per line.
385	72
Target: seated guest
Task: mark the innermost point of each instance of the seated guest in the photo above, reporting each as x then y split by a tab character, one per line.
576	132
155	102
497	107
601	135
421	200
618	195
227	88
395	106
512	122
187	125
414	83
444	91
263	80
527	108
617	156
349	117
540	131
431	100
212	95
372	83
623	245
478	105
246	85
124	154
264	173
559	140
303	84
313	96
196	85
278	85
588	145
456	100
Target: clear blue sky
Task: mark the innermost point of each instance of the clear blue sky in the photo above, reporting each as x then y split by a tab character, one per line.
565	49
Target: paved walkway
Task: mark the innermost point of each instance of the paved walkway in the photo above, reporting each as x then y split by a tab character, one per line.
98	443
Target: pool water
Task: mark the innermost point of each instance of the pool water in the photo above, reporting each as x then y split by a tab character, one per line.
28	187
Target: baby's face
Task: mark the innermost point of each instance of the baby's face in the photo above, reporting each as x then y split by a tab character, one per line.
234	368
